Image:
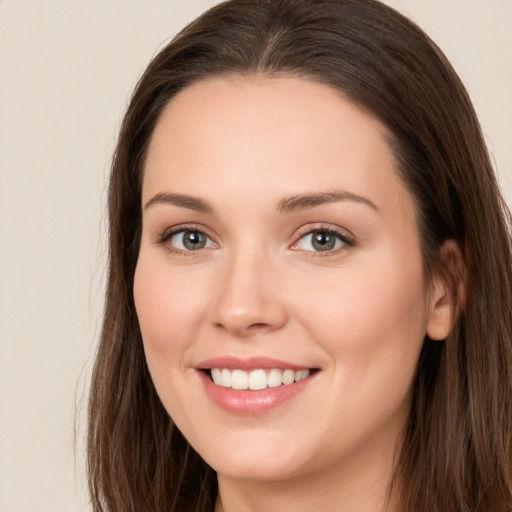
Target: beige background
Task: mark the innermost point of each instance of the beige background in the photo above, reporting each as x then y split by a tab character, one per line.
66	72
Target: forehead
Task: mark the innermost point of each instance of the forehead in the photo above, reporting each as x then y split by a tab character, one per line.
288	133
290	108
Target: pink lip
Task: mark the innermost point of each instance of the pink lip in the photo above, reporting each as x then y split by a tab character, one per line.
247	402
248	364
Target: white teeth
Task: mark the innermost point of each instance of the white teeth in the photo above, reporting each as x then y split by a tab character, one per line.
274	378
256	379
217	376
239	379
225	378
301	375
288	377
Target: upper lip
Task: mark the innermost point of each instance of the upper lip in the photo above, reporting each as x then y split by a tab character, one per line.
249	363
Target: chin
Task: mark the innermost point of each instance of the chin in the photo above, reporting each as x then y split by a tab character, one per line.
270	470
254	461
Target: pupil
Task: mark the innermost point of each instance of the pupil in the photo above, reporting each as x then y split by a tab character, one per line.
194	240
323	241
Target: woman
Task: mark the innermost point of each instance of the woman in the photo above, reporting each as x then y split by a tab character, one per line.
309	292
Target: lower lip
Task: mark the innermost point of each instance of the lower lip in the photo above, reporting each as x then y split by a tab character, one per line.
252	402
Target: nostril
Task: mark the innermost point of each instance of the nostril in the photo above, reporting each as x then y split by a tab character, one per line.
257	325
254	327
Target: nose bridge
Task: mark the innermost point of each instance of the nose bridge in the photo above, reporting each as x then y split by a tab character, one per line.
247	298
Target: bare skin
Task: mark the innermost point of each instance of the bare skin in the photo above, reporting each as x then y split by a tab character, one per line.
275	226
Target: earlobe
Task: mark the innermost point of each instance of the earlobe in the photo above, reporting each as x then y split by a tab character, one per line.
448	292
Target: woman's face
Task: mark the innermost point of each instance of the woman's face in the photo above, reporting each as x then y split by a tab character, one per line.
279	244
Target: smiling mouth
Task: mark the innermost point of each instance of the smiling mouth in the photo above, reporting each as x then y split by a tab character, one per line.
258	379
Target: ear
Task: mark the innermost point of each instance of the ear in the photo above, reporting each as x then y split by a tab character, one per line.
448	291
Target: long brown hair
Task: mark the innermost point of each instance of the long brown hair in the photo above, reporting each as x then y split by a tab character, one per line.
456	452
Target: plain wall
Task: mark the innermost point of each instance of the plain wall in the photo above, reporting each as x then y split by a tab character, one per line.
66	72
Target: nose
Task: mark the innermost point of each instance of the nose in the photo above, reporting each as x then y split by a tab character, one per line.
249	296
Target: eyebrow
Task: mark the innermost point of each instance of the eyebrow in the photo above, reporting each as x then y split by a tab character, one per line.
182	200
307	201
286	205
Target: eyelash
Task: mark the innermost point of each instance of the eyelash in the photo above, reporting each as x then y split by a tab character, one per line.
345	239
169	233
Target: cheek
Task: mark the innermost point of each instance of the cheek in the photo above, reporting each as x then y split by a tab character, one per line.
372	326
371	314
168	307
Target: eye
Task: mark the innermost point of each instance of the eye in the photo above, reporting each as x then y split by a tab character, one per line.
323	240
188	240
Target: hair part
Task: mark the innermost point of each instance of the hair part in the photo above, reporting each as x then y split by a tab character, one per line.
455	453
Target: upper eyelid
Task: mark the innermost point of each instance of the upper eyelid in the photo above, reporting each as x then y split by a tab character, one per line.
343	233
347	244
338	230
164	239
173	230
346	237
